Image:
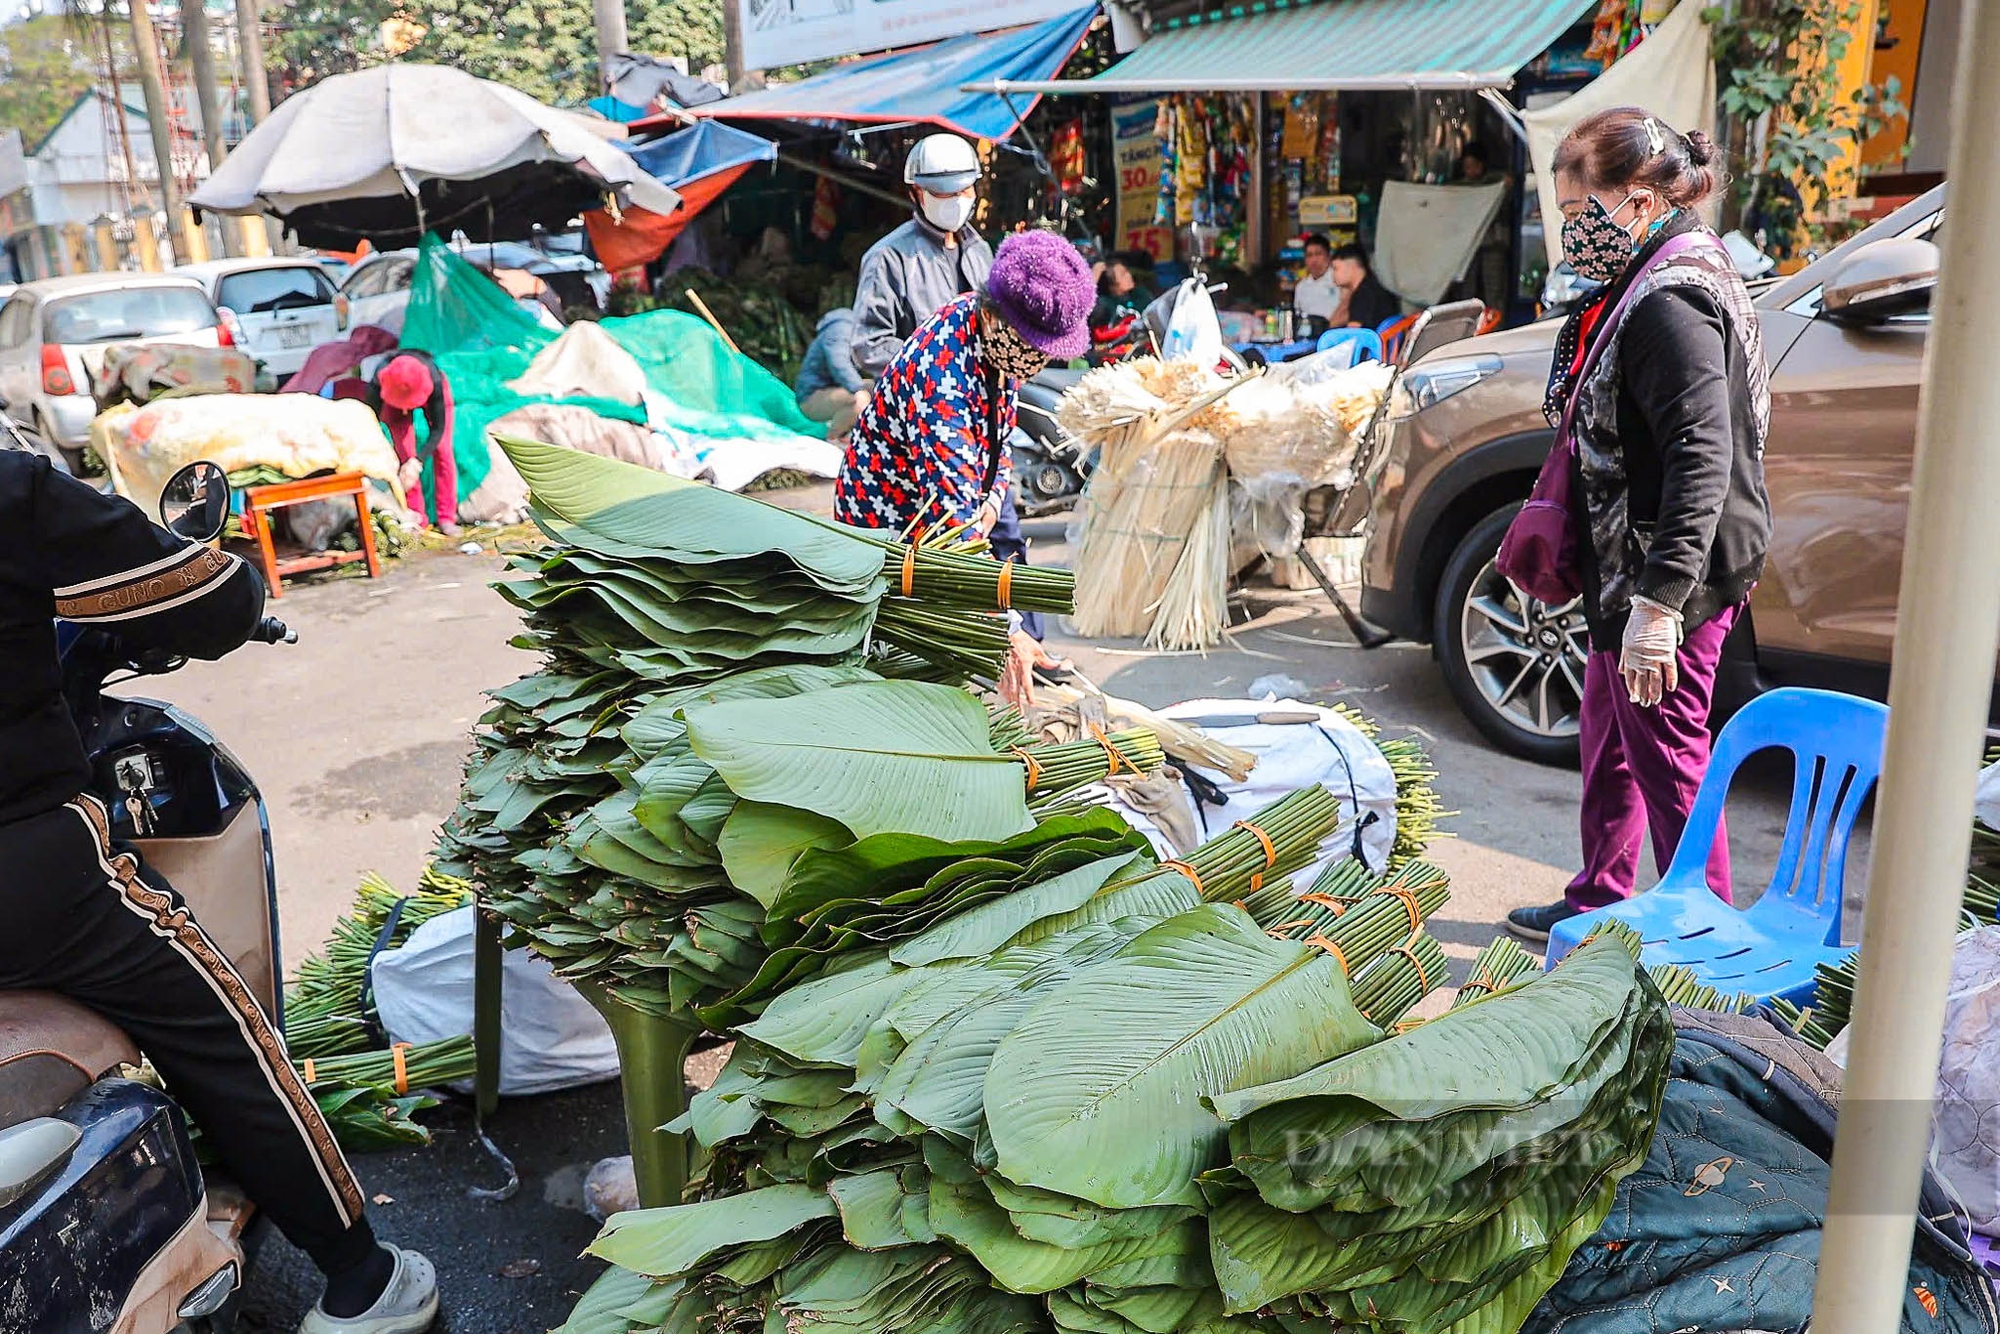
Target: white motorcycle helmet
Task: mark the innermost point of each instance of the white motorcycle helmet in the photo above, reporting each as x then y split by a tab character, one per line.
943	164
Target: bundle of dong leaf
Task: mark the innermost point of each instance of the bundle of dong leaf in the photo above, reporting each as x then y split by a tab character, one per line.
1162	1116
368	1093
713	705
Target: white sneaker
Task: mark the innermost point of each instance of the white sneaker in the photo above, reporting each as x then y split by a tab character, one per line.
407	1306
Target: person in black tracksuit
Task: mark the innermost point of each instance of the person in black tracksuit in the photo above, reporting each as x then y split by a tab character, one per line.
87	920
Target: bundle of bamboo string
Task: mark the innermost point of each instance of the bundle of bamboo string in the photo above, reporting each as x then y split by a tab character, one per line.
1148	559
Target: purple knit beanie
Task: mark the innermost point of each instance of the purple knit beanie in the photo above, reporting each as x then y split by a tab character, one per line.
1044	290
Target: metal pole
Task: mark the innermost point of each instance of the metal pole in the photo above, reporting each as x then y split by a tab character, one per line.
611	38
159	119
1947	625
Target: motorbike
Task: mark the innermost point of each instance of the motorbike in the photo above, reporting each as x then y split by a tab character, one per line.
1050	466
108	1223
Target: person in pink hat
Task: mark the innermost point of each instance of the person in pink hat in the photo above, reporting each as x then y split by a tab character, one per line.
409	383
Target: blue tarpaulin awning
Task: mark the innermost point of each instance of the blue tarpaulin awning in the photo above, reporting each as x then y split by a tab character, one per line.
924	85
1350	45
702	149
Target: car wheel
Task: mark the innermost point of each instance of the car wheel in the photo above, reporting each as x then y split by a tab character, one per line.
1514	665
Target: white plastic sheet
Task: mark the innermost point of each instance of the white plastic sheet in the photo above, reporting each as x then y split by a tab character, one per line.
550	1037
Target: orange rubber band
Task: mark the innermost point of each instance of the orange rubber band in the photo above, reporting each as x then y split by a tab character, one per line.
1279	930
1338	906
1270	849
1034	767
1410	902
310	1076
909	568
1334	950
1007	584
1187	871
402	1070
1113	756
1423	978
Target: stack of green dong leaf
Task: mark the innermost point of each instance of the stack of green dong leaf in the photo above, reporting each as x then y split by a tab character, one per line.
1126	1121
641	851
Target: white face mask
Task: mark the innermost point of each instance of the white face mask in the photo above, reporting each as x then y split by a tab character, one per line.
947	213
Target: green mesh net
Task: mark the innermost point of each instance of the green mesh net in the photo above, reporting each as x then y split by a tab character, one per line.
483	341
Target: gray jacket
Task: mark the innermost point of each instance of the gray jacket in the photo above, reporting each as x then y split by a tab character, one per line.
905	278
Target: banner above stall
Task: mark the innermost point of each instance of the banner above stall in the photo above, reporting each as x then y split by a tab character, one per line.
1350	46
923	86
791	32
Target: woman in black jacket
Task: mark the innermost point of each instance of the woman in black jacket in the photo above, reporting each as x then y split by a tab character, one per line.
1667	488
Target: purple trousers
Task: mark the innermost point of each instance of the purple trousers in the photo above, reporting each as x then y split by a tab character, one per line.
1641	768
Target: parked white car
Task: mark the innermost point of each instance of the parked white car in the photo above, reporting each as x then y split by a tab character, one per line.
54	332
284	308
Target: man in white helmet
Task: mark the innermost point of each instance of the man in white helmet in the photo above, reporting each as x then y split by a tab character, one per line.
908	275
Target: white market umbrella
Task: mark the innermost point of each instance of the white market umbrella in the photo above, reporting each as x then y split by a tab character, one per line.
391	152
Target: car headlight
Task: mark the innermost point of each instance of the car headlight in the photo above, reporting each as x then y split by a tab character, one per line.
1432	382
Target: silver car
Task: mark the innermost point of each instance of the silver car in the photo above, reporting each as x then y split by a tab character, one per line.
54	333
284	308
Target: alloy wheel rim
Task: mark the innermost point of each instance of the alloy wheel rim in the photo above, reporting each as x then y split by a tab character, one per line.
1526	658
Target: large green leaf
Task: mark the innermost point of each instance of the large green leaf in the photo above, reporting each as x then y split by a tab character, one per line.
690	521
825	1020
1507	1051
878	757
992	925
667	1243
968	1216
1098	1093
760	842
597	1311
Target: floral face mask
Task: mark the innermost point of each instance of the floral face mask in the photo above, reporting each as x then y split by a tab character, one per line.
1009	353
1595	245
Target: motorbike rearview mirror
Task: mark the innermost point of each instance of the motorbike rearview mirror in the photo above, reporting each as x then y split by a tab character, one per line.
194	504
1881	280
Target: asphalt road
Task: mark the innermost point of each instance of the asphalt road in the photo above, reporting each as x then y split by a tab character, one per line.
356	735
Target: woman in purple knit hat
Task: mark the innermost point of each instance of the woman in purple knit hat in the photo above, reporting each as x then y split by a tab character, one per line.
930	448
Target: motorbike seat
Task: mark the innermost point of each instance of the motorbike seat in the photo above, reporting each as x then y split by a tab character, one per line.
51	1049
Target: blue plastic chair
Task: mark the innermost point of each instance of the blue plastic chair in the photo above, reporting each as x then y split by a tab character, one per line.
1366	344
1771	948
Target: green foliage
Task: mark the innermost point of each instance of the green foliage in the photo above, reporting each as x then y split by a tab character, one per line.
1780	67
548	50
44	68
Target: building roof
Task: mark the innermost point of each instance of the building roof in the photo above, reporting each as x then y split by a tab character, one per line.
81	99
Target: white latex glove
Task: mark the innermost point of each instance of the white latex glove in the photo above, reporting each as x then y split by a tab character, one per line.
410	473
1649	660
988	515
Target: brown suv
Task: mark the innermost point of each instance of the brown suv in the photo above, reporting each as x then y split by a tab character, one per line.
1464	435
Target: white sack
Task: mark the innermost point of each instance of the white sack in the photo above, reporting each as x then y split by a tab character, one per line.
585	362
1986	798
550	1037
1332	753
1966	1119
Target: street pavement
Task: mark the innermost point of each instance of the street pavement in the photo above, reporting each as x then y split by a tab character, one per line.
356	735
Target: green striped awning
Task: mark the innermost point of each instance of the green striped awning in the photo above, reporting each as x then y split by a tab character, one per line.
1356	45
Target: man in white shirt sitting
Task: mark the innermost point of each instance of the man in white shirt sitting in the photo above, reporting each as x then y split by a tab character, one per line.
1317	293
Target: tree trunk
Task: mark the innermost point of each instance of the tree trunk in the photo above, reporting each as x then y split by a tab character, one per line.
145	45
134	187
201	55
611	38
250	41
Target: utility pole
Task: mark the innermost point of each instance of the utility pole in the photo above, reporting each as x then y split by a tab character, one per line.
134	187
146	46
250	40
611	38
732	45
194	24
